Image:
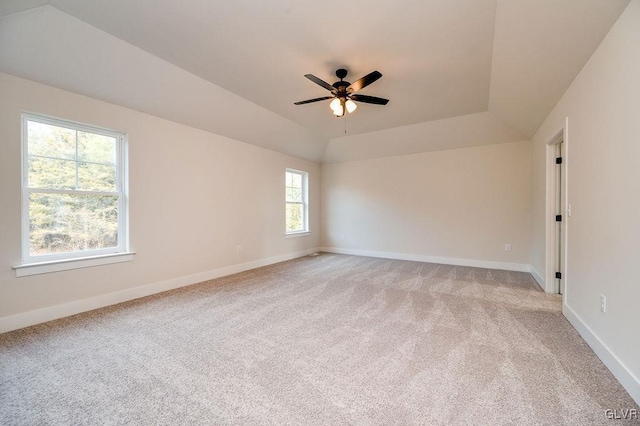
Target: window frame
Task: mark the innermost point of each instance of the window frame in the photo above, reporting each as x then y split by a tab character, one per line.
121	191
305	203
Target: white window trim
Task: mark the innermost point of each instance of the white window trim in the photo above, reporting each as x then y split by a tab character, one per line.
305	203
72	260
27	269
296	234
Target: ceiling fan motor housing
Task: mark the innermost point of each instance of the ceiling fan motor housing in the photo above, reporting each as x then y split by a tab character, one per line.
341	86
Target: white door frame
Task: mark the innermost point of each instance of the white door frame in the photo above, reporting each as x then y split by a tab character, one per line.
551	245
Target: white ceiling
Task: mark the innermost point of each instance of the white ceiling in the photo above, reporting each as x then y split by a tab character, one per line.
439	58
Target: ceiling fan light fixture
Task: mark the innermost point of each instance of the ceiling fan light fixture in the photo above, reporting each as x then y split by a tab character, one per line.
351	106
337	106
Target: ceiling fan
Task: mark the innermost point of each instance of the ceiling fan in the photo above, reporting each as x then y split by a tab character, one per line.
344	94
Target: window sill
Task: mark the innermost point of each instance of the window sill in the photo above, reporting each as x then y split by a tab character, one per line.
297	234
67	264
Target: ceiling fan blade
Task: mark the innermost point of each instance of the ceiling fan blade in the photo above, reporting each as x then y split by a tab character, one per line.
364	82
369	99
313	100
319	82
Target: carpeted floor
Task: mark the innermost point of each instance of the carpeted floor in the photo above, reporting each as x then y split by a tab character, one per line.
331	339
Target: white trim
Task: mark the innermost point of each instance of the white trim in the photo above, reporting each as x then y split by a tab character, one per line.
297	234
565	213
536	276
63	122
27	269
305	200
608	358
26	319
550	225
487	264
121	190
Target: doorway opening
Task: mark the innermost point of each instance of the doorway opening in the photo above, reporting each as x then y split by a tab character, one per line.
559	218
556	215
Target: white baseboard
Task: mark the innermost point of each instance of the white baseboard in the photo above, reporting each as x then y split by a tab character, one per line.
608	358
519	267
26	319
536	276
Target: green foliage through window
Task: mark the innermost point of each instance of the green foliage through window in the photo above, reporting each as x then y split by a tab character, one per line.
295	194
72	189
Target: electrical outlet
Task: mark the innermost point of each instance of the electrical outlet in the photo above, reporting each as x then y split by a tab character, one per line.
603	304
507	247
342	236
238	249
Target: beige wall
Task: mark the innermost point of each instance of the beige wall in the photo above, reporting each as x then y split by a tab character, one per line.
458	204
603	110
464	131
194	196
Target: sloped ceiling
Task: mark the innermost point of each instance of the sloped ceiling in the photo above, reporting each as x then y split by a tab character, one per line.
236	68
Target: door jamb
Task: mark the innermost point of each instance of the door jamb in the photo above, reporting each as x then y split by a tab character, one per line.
550	238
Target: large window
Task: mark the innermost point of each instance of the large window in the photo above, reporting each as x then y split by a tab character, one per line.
296	184
73	190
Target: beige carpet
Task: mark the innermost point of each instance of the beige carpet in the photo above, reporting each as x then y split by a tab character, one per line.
331	339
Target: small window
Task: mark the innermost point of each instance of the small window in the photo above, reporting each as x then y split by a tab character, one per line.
297	216
73	190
